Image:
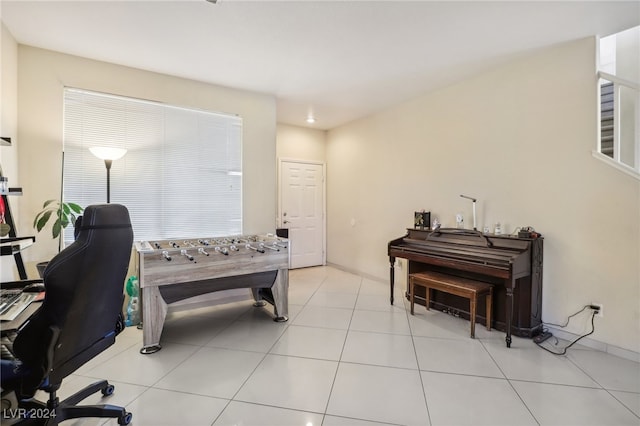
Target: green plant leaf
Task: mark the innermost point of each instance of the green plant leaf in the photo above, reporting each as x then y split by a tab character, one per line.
75	207
55	230
63	213
43	220
35	221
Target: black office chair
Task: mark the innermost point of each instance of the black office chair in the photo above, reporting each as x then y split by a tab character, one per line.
79	318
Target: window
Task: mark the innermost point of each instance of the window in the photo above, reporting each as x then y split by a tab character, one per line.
619	88
181	176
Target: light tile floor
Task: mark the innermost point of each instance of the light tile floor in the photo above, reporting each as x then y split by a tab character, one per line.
347	357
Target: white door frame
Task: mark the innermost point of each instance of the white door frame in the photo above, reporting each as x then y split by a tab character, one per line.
279	223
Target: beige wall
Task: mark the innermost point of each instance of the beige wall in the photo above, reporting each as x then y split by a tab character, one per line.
8	128
43	75
300	143
519	139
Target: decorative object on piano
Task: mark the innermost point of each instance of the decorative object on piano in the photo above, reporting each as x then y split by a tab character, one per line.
474	209
436	224
65	214
527	232
421	220
459	221
486	230
497	229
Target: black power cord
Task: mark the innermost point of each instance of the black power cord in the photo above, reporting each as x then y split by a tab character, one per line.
569	318
564	351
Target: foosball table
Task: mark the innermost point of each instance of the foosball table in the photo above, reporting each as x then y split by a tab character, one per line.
174	270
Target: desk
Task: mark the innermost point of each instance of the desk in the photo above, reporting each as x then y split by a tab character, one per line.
170	271
13	245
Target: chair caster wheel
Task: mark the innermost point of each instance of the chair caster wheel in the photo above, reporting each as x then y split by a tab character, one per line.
126	419
108	390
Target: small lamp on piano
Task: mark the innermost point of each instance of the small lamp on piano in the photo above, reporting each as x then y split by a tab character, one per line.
108	155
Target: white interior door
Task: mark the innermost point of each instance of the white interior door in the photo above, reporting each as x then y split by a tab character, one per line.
302	211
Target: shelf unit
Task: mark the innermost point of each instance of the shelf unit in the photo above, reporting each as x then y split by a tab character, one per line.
12	245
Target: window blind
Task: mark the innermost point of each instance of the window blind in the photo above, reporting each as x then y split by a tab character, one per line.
181	176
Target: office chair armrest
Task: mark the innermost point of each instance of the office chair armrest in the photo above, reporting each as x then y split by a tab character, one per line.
52	339
37	375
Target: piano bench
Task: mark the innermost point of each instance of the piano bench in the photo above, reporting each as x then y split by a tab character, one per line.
463	287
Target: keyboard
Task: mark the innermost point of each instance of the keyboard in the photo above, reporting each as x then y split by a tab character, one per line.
7	297
12	305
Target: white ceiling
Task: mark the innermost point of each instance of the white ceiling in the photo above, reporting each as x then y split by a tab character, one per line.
339	60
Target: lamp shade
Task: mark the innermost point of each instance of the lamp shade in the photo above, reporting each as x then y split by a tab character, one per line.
105	153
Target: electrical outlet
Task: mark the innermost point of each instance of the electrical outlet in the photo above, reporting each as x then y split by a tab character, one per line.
600	312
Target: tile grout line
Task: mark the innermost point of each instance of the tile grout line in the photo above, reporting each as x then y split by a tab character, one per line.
509	382
346	336
599	384
415	354
260	363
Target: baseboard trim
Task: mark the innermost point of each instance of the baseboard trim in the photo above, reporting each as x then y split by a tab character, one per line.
596	344
356	272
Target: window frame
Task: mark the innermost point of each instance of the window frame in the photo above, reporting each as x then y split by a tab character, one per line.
615	161
211	143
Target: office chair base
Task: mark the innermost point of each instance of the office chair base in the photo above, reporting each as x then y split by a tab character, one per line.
68	409
54	411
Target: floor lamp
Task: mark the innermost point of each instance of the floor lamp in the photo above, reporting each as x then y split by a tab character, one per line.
108	155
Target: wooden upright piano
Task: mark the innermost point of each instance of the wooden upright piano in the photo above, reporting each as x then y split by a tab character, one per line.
512	264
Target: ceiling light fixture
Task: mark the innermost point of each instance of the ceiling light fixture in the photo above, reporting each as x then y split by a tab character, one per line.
310	119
